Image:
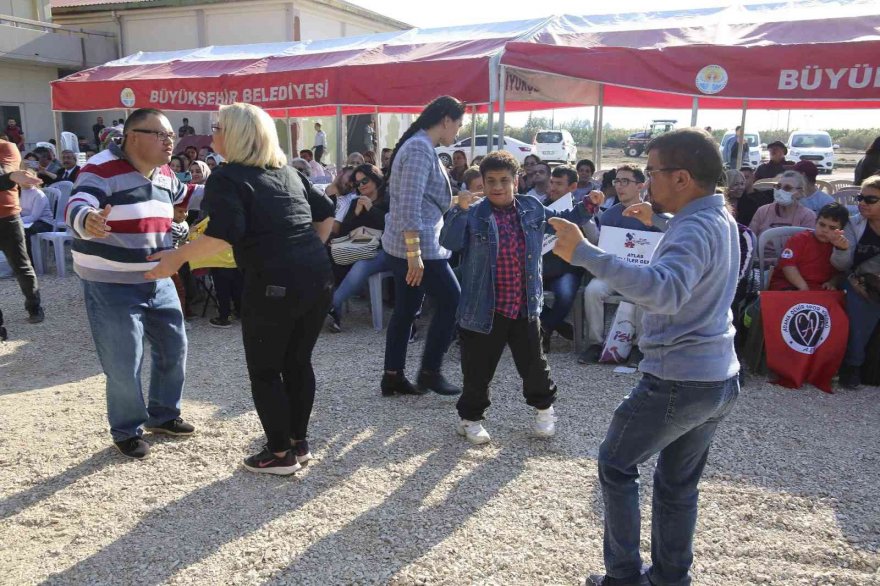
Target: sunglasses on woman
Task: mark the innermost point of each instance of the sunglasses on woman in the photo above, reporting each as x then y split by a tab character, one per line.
868	199
363	182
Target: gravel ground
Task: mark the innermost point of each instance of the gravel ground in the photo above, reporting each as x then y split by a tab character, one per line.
395	497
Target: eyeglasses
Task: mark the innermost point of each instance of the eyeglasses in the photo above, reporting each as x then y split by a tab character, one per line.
650	172
788	188
623	181
868	199
162	136
363	182
216	128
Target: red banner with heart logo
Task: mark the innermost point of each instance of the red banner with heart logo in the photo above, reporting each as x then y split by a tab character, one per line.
805	335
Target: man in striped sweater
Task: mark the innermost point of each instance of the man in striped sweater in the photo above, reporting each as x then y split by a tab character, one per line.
120	213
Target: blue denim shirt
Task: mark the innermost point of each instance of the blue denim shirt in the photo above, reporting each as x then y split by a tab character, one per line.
474	233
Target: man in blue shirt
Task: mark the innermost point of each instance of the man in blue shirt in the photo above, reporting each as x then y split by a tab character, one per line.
689	364
814	198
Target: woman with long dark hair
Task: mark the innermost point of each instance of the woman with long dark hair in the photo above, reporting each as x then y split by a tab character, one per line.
420	193
870	163
275	225
367	210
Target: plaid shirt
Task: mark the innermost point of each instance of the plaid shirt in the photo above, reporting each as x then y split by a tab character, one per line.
510	273
420	194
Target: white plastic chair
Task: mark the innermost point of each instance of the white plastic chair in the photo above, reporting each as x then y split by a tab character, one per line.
847	195
375	284
842	183
826	186
58	238
777	237
63	190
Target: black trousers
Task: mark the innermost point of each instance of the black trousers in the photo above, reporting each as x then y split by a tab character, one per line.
319	153
38	227
480	354
279	335
12	244
228	284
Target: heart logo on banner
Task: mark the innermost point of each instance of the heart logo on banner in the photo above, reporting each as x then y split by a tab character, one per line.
807	326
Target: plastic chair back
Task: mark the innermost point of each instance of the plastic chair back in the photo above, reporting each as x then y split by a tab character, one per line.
826	186
847	195
777	237
841	183
60	208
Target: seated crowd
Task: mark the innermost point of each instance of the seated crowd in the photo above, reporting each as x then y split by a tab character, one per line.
825	257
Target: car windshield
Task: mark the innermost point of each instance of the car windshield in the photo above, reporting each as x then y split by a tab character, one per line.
807	141
546	137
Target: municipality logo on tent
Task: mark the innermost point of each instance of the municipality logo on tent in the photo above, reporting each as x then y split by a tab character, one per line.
126	96
711	79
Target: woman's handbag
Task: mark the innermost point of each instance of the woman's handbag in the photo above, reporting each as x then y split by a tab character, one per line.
360	244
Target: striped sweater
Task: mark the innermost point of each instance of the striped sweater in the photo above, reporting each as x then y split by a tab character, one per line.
140	218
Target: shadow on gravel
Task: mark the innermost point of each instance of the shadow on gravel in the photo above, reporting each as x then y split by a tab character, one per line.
403	528
190	529
17	502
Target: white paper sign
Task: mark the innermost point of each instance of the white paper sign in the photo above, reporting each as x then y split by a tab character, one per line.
563	204
633	246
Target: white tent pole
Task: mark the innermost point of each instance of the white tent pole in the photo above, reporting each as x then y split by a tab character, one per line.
502	94
694	109
600	130
739	156
596	136
378	137
339	131
490	130
289	137
473	132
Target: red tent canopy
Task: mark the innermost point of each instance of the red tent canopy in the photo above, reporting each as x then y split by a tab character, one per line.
817	55
396	72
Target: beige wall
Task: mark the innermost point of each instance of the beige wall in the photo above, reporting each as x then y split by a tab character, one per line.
27	87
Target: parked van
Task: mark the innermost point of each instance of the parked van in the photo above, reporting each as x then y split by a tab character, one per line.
753	139
814	146
555	146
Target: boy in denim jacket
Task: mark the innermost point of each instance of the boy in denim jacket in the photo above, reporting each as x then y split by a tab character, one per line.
500	239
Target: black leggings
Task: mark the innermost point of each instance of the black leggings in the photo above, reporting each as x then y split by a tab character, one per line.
279	334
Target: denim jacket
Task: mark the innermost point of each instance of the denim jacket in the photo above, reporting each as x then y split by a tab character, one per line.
474	234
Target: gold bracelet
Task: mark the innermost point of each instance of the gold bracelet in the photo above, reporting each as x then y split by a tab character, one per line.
415	240
413	253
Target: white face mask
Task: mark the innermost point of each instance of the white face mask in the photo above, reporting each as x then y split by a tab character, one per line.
783	198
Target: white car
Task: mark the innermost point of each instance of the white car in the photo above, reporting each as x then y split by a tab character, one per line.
814	146
556	146
754	141
517	148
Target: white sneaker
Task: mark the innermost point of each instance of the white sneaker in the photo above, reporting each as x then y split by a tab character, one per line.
545	422
473	431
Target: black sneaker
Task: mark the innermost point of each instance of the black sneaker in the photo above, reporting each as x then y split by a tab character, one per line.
435	381
174	427
334	324
268	463
591	355
133	447
397	384
566	330
36	316
850	377
301	451
599	580
220	322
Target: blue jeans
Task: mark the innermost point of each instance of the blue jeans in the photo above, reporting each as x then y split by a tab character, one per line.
440	283
357	278
121	315
863	317
564	289
677	419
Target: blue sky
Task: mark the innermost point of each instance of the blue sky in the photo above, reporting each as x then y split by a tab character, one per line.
455	12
